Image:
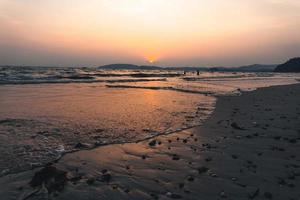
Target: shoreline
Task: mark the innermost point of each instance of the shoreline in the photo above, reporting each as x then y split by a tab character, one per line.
206	162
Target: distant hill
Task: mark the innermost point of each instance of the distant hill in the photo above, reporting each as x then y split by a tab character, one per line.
258	68
293	65
248	68
130	66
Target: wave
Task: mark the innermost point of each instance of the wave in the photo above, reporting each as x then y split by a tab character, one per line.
164	88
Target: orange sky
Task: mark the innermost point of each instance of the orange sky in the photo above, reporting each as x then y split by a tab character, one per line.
166	32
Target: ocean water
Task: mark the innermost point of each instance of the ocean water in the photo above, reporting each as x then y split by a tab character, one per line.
45	112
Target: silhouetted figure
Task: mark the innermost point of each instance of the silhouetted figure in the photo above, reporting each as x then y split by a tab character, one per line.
198	72
184	72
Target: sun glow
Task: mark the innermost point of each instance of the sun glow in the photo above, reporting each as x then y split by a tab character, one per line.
177	32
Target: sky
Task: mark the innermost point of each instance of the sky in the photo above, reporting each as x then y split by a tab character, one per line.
156	32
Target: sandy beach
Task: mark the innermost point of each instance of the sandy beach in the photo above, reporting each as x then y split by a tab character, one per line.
248	149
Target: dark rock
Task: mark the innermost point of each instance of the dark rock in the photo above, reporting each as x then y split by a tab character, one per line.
80	145
53	178
293	141
90	181
223	194
99	130
190	178
175	157
208	159
173	195
236	126
202	170
254	194
106	177
181	185
154	196
268	195
152	143
126	190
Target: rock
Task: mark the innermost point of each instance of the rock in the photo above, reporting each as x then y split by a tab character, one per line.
268	195
90	181
253	194
106	177
175	157
293	141
181	185
190	178
173	195
202	170
152	143
185	141
154	196
236	126
80	145
208	159
53	178
99	130
223	194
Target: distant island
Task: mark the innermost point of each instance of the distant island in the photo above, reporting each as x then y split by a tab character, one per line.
293	65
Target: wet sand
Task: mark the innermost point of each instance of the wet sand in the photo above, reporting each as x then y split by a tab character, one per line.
248	149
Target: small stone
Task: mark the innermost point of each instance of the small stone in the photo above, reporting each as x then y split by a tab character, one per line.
254	194
152	143
208	159
80	145
106	177
175	157
90	181
268	195
234	179
126	190
190	178
181	185
236	126
202	170
173	196
223	194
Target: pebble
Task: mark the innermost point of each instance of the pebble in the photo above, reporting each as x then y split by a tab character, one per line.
190	178
152	143
223	194
173	195
202	170
268	195
175	157
208	159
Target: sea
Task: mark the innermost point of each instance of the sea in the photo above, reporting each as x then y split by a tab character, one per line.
46	112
